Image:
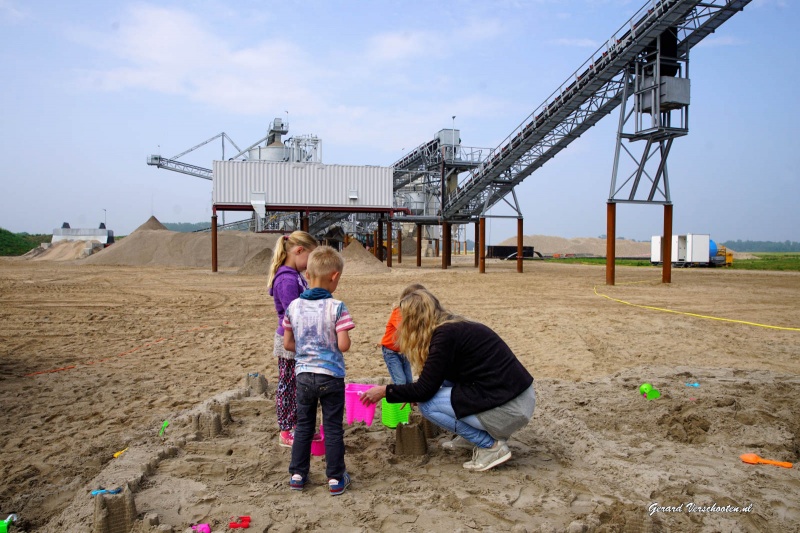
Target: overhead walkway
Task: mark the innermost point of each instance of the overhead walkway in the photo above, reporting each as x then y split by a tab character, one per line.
589	94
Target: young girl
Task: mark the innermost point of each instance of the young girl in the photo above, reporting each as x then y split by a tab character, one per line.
285	284
397	363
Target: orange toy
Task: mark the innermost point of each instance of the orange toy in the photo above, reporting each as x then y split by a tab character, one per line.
754	459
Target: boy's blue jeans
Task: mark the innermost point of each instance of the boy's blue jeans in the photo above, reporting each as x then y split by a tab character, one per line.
439	410
398	366
328	391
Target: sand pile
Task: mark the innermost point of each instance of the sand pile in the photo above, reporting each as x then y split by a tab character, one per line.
64	251
360	261
152	223
409	245
170	248
547	245
153	244
258	265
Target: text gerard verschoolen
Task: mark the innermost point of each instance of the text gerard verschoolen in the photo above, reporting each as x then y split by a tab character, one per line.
694	508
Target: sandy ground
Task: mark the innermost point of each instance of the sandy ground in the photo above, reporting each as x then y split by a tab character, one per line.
93	360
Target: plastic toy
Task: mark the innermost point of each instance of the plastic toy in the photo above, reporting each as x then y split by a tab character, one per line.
4	523
243	523
117	454
318	443
202	528
355	410
106	491
695	384
754	459
647	390
163	428
394	413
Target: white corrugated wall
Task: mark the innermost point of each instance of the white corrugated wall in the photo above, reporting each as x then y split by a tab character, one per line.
302	184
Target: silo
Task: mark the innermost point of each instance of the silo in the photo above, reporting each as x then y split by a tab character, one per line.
275	152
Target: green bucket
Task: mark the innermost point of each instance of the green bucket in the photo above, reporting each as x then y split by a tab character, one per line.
392	414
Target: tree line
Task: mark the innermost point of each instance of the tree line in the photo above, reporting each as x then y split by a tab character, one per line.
762	246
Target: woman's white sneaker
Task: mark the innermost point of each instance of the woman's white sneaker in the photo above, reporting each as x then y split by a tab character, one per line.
486	458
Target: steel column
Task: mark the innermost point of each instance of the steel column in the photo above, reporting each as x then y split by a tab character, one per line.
419	245
400	245
519	245
379	242
445	243
389	243
611	236
214	241
666	246
477	240
481	245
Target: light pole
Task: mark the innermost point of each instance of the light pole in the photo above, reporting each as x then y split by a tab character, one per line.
104	217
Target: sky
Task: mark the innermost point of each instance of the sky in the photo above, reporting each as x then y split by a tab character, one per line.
91	88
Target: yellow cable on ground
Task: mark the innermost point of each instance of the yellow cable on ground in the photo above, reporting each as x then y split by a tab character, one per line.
652	308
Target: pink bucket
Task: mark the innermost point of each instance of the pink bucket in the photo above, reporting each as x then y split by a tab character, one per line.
318	444
356	411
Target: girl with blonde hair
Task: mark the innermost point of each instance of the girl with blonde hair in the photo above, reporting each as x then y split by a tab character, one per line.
285	284
470	382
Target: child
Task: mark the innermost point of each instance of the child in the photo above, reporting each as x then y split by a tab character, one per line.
316	327
285	284
397	363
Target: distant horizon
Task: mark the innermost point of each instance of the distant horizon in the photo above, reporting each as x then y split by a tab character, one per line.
791	243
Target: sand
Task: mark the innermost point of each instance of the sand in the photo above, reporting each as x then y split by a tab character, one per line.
95	357
589	246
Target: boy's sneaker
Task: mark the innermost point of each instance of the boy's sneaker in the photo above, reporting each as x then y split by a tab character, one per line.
286	439
338	487
297	482
486	458
458	443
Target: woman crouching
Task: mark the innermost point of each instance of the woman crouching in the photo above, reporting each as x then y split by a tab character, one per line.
470	382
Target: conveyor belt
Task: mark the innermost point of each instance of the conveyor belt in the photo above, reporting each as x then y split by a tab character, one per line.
591	93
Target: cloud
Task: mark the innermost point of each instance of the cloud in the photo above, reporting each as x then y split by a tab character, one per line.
780	4
172	52
356	95
713	41
403	45
12	12
578	43
411	44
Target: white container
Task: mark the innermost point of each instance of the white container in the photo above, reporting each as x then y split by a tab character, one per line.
697	248
692	248
302	184
655	249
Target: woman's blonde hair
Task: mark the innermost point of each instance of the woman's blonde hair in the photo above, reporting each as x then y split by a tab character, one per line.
283	245
422	313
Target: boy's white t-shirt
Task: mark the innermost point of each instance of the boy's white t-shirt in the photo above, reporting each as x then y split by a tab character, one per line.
315	324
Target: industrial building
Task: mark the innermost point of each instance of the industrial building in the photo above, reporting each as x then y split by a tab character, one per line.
442	187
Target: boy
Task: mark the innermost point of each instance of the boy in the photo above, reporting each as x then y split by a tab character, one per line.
316	328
